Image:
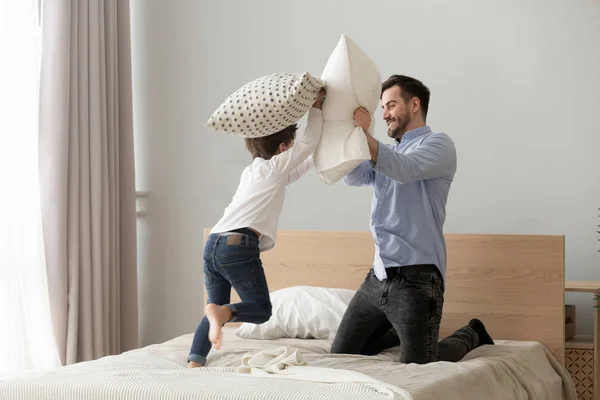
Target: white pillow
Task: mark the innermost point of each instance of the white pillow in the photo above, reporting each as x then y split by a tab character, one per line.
266	105
353	80
306	312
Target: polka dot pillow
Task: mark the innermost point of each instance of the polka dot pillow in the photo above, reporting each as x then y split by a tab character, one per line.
267	105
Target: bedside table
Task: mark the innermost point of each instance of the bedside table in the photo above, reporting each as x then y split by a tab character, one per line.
582	353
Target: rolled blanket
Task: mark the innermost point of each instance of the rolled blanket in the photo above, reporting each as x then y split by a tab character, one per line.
270	360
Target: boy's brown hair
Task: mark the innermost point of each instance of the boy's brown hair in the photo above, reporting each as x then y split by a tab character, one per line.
266	147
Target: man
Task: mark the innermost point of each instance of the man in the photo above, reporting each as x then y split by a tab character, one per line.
401	299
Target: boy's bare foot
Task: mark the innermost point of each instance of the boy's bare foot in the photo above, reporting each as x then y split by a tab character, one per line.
193	364
217	316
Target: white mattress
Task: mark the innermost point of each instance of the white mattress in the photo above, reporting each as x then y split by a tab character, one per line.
508	370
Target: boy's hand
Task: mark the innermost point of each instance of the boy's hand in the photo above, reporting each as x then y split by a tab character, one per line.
320	98
362	118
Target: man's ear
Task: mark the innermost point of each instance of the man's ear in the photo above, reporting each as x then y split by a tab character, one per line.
415	104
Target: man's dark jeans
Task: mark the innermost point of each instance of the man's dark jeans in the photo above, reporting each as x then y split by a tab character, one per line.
404	309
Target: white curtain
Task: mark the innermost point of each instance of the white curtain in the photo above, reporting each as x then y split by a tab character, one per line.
87	177
26	339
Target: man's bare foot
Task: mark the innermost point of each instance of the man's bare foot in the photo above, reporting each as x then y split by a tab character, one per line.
217	316
193	364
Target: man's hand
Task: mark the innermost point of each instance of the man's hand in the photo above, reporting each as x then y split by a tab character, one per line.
362	118
321	97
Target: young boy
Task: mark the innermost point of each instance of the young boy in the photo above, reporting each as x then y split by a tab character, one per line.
248	227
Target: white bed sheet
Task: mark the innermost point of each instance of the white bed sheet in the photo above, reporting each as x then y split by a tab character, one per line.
508	370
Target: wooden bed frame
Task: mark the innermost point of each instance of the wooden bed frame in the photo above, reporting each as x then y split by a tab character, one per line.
513	283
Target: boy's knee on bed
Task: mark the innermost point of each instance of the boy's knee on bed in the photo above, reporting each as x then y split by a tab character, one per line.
267	312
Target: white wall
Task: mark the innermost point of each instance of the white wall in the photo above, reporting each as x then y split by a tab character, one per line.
515	83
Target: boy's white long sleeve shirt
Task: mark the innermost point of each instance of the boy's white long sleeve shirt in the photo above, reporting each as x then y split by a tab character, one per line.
259	198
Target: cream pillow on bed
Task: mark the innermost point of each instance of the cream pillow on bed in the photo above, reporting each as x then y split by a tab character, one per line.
266	105
353	80
305	312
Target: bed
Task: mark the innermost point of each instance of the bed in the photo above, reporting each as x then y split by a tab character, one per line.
514	283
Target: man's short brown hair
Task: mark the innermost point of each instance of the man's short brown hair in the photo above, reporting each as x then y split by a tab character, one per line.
409	88
266	147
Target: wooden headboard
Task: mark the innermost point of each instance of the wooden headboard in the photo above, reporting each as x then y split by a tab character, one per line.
513	283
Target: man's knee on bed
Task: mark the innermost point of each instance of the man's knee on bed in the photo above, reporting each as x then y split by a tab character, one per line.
341	345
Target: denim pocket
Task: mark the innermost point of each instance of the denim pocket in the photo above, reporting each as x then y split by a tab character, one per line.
240	270
229	255
420	280
426	288
235	259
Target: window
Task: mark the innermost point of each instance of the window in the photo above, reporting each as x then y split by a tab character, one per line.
26	339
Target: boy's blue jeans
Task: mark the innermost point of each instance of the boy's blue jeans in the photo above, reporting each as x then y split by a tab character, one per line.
232	260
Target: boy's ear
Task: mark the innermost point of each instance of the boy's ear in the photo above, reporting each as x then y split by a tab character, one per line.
281	148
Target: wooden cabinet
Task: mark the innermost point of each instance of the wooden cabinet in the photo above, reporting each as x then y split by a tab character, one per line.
582	355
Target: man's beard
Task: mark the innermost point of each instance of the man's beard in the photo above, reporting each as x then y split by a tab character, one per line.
398	131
